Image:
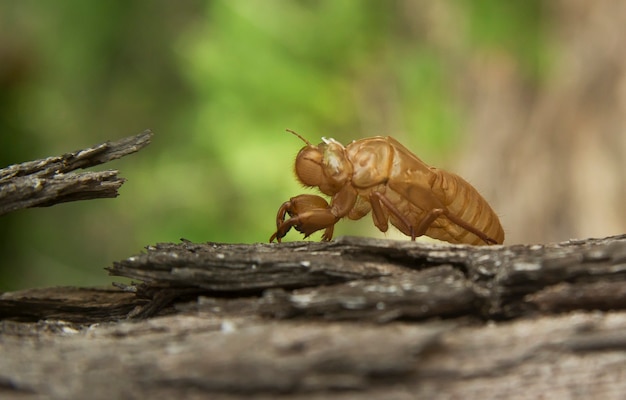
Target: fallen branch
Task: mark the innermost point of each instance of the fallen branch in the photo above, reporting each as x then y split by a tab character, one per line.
46	182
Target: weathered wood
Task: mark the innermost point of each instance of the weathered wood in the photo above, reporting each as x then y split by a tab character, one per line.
46	182
579	355
81	305
384	279
355	318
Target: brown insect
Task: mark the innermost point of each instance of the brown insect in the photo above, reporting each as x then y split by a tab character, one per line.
380	175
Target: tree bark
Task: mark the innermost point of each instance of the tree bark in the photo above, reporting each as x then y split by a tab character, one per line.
352	318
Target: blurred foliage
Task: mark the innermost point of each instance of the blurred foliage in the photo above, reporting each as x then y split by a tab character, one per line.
218	82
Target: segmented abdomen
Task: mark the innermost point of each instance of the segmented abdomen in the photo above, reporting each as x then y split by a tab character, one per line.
463	201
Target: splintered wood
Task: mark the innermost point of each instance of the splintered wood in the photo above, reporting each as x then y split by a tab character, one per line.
48	181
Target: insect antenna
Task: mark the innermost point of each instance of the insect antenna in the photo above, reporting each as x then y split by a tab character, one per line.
301	138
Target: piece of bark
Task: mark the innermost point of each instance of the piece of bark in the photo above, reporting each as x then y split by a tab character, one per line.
603	295
361	278
243	268
48	181
81	305
435	292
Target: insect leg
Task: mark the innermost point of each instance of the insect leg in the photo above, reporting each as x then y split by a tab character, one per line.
381	219
377	200
425	223
328	233
307	223
281	227
468	227
429	219
282	211
437	212
308	214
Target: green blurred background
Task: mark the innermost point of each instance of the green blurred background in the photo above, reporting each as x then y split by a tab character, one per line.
219	82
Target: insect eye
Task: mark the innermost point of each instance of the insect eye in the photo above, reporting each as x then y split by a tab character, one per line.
308	166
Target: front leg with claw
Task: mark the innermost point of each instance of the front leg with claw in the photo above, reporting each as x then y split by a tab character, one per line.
308	213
